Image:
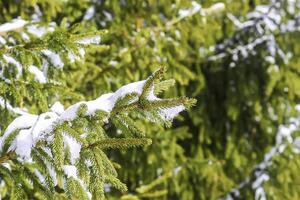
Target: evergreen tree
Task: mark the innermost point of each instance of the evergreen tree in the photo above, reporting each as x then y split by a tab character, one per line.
62	153
239	59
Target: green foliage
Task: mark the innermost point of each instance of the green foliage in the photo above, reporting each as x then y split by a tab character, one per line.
242	98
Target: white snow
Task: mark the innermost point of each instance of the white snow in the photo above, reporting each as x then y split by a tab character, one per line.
13	25
54	58
39	75
71	112
102	103
90	40
89	14
260	180
58	108
39	31
70	171
81	52
190	11
52	173
11	60
113	62
169	113
7	105
217	7
39	175
260	194
177	170
25	36
74	147
22	122
72	57
107	15
43	125
2	40
297	143
23	144
107	187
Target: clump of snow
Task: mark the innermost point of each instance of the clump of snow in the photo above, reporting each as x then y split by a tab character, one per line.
169	113
13	25
113	62
262	178
22	122
71	57
23	144
107	15
297	143
39	75
71	112
39	175
215	8
74	147
7	105
58	108
70	171
43	125
25	36
2	40
89	14
102	103
107	187
177	170
11	60
190	11
52	173
135	87
54	58
39	31
90	40
81	52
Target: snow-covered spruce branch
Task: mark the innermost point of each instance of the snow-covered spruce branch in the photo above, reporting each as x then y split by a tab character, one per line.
13	25
44	47
183	14
5	104
265	22
196	9
64	147
259	173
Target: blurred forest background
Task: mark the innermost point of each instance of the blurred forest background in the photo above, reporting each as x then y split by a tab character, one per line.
239	58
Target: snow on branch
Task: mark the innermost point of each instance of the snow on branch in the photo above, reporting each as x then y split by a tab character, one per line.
13	25
259	173
5	104
34	128
47	46
265	22
61	137
197	8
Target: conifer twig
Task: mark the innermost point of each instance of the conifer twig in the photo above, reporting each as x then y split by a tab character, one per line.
8	156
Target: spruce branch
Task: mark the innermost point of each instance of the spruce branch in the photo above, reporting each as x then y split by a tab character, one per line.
6	157
53	48
148	86
112	143
163	86
57	139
